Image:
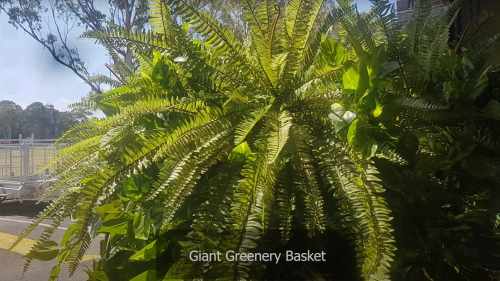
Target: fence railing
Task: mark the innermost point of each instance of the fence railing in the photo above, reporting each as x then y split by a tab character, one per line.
21	158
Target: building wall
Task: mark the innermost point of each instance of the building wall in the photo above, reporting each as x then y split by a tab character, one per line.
404	9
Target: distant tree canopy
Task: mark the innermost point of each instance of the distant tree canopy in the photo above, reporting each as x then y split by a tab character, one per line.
38	119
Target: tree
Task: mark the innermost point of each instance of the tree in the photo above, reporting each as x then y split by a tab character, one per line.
10	114
220	146
38	119
50	22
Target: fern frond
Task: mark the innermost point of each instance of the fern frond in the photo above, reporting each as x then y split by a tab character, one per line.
387	151
307	183
415	103
103	79
211	219
298	25
286	200
279	136
252	196
187	171
364	209
214	34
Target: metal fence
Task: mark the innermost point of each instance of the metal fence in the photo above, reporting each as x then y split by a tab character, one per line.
21	158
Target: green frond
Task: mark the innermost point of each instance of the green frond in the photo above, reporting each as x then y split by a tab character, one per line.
279	136
211	218
264	59
438	36
307	182
161	18
488	139
145	63
437	115
387	151
119	64
318	78
79	132
481	55
257	21
421	12
206	128
156	105
250	208
298	26
317	5
214	34
58	211
365	211
245	127
415	103
388	26
119	36
103	79
286	200
187	171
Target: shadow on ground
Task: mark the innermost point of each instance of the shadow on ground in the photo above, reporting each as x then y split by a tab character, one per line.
28	208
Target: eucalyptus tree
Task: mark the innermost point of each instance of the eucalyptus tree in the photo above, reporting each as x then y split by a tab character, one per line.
51	22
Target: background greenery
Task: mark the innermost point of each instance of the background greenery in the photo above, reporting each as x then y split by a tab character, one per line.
37	119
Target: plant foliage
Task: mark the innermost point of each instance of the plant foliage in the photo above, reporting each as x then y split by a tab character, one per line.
296	137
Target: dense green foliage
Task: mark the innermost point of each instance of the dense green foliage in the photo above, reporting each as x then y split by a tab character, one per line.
291	139
38	119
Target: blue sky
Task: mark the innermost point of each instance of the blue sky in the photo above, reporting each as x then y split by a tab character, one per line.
28	73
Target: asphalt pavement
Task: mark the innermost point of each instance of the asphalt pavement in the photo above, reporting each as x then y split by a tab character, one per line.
14	218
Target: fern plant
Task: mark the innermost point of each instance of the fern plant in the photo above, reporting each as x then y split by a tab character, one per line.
263	145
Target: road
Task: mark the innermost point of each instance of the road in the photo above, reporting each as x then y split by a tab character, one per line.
14	218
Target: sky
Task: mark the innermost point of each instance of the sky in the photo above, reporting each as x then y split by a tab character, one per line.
28	73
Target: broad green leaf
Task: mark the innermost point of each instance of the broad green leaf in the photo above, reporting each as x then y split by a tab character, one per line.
112	208
54	273
142	225
332	52
492	110
378	109
97	275
357	134
386	68
481	84
63	255
356	79
185	27
131	189
351	134
369	148
45	251
380	83
115	224
378	57
157	56
68	234
150	251
242	152
149	275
